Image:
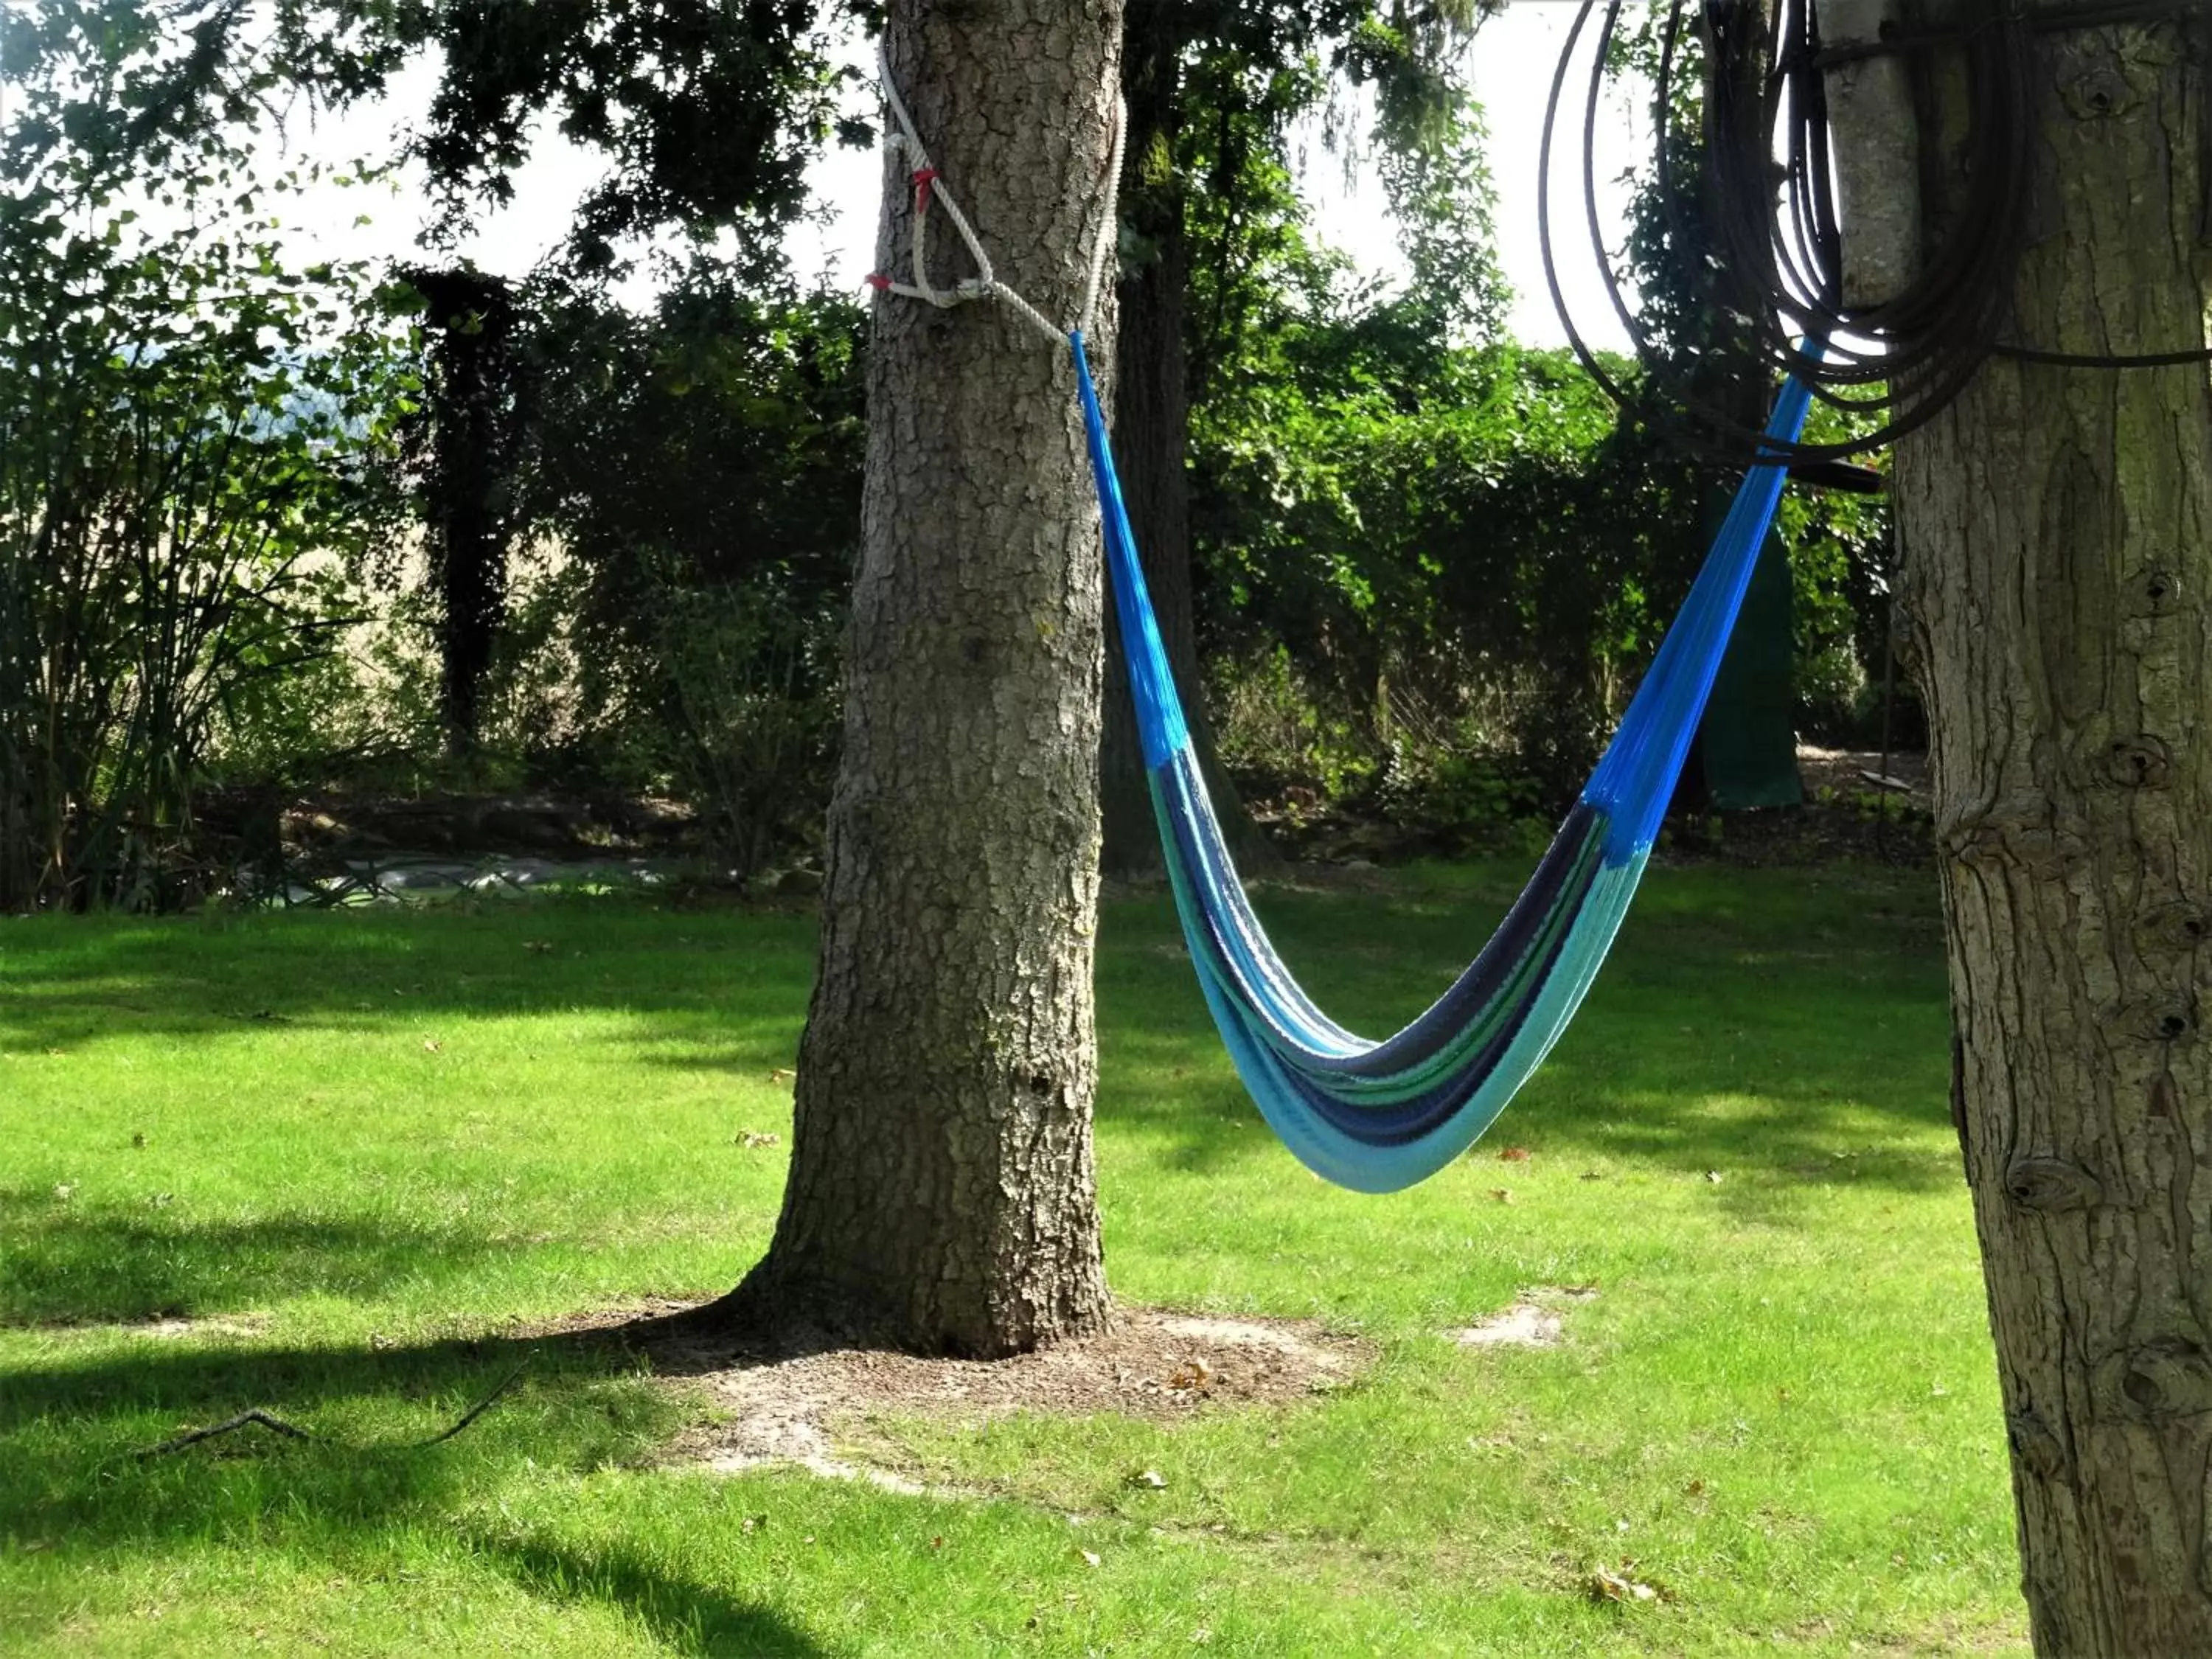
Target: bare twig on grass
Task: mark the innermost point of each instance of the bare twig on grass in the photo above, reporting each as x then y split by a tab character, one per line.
475	1411
255	1414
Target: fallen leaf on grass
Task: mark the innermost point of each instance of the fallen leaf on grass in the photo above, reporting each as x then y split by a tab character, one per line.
431	1045
1713	1177
1150	1478
1502	1195
1515	1155
754	1138
1090	1557
782	1074
1191	1373
537	946
1608	1586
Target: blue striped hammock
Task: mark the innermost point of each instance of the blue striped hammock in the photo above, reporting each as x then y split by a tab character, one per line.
1379	1117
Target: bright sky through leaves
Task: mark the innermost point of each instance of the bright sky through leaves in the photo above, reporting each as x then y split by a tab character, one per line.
1512	60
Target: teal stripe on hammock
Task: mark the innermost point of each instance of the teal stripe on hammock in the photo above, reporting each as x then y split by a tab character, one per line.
1505	1005
1362	1168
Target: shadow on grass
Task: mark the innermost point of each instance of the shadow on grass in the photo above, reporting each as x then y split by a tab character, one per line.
67	982
99	1382
79	1416
1830	1125
67	1263
1783	1027
686	1617
1816	998
75	1421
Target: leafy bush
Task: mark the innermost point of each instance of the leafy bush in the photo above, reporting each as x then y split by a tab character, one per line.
1275	728
1461	799
751	719
1476	529
183	429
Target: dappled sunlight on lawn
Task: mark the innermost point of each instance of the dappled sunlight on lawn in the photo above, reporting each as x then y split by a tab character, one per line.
327	1165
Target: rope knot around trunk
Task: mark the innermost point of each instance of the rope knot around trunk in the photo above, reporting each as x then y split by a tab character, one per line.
929	189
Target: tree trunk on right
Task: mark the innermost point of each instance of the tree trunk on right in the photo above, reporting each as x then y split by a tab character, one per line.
2057	527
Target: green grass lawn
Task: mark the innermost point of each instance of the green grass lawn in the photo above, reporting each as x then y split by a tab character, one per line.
357	1151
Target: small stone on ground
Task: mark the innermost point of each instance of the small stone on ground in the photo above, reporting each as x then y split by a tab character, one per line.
1524	1325
1531	1322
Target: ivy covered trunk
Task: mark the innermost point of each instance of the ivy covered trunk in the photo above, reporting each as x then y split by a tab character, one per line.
2057	525
1151	431
1152	441
942	1195
464	445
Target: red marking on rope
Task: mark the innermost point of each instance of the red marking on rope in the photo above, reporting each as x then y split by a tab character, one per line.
878	281
923	179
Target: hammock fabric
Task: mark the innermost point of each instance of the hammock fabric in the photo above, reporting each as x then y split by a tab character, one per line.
1379	1117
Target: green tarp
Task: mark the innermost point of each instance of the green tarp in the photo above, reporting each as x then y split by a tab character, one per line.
1747	742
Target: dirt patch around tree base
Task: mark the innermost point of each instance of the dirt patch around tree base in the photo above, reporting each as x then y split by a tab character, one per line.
784	1405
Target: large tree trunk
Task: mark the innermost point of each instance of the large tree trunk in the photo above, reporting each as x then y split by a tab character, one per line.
1151	428
942	1195
1152	445
2057	526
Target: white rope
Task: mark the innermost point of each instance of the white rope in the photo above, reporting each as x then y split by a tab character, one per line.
1109	223
930	190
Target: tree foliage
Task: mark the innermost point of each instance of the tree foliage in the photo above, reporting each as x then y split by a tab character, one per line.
1214	90
461	444
1458	547
698	469
186	433
707	113
1446	542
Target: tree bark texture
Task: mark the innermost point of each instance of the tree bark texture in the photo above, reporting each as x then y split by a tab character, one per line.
942	1195
1152	445
2057	527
